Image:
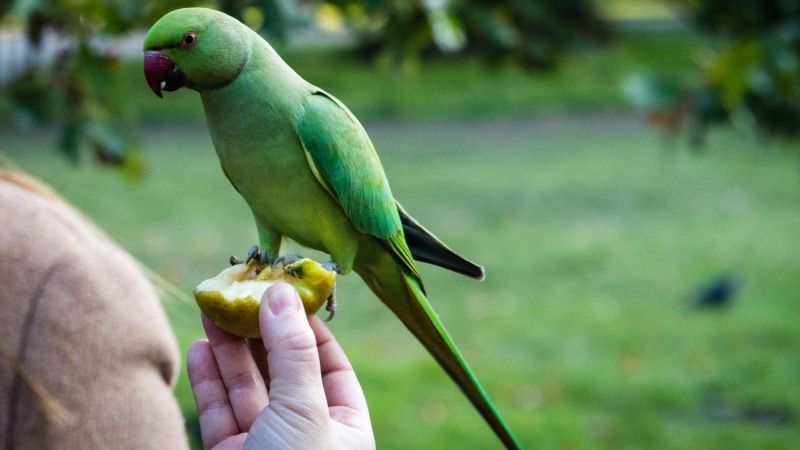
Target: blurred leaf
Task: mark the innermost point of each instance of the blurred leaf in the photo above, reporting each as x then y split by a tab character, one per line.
71	138
752	78
448	34
732	71
22	8
650	90
32	98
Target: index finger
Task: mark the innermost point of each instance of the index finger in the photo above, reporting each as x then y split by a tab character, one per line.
214	412
245	387
346	401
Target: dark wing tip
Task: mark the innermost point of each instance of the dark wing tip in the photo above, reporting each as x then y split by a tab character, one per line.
425	247
468	268
480	274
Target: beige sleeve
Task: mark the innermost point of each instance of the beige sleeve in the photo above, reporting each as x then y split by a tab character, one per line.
81	323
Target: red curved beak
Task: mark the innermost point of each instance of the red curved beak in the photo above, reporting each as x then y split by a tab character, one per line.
157	67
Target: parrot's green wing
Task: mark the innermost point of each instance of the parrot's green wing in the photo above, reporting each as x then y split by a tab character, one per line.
344	160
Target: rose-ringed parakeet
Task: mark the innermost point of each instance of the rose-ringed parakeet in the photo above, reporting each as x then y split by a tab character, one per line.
308	171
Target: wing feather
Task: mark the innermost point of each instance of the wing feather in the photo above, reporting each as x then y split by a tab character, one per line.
343	159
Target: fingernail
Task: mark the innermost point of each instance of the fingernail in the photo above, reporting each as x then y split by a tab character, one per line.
282	298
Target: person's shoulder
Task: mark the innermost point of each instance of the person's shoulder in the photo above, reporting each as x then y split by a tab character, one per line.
57	261
35	217
75	300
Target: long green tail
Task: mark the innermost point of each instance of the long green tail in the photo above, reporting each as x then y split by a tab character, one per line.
402	293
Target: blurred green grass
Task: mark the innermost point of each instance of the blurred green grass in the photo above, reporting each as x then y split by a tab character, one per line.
593	231
593	236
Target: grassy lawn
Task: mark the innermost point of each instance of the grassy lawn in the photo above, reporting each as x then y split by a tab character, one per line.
593	231
593	234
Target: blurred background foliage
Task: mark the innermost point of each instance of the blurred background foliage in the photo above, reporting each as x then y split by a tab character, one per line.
747	60
76	83
749	71
635	298
533	34
77	86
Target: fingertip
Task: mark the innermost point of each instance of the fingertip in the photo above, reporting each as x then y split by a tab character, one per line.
206	321
197	346
200	361
277	315
211	328
281	298
216	335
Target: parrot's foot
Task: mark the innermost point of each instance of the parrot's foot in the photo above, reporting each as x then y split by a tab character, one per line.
330	304
286	260
260	258
331	266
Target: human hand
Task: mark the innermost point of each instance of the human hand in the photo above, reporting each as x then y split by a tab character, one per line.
296	390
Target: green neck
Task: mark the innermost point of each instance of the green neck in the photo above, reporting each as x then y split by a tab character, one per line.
266	84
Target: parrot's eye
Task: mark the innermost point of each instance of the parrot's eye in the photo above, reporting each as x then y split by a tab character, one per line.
189	39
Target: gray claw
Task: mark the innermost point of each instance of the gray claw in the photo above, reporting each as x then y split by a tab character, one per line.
285	260
332	266
263	258
234	261
330	305
252	253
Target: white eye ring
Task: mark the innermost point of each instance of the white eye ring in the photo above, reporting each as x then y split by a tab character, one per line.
189	39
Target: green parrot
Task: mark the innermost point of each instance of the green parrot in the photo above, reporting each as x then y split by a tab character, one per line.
309	172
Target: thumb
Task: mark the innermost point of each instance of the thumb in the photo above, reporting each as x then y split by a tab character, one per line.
292	356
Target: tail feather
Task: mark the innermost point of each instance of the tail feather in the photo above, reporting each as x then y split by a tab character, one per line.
402	293
427	248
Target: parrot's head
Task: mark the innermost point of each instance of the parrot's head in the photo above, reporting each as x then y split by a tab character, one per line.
198	48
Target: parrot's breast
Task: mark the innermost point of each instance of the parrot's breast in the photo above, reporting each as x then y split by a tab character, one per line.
261	153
